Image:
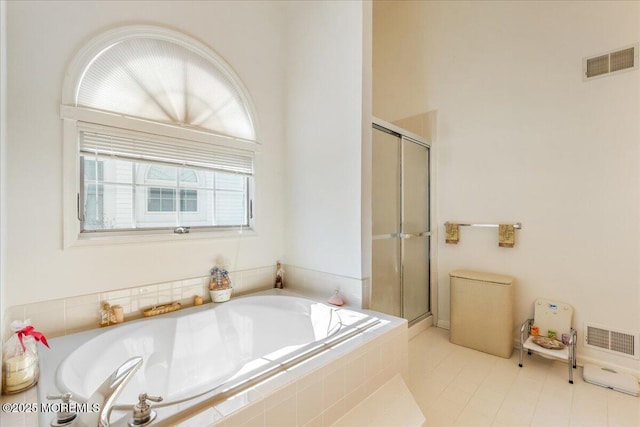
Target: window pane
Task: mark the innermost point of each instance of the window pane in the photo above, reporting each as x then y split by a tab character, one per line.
168	205
159	209
118	194
189	200
163	173
230	208
154	205
93	169
94	206
188	176
230	199
154	200
229	181
196	208
161	199
106	169
108	207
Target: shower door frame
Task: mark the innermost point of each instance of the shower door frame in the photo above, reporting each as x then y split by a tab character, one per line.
402	135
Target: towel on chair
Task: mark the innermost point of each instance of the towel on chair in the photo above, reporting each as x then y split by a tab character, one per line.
506	235
451	233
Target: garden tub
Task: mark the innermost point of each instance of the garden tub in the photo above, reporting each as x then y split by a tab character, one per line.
200	354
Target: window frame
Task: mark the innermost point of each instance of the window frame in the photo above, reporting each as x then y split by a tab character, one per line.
74	117
204	192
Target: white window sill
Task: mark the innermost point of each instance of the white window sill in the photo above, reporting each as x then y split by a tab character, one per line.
98	240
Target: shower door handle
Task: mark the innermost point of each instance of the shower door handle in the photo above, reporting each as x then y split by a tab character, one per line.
413	235
386	236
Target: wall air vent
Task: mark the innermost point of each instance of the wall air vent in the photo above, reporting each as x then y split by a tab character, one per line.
614	62
617	342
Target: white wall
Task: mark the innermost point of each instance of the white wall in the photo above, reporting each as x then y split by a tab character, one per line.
399	59
42	39
522	138
324	85
366	215
3	159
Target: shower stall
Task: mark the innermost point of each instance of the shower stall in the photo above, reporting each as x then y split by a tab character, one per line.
401	223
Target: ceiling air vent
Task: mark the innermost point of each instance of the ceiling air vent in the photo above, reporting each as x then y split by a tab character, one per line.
611	62
618	342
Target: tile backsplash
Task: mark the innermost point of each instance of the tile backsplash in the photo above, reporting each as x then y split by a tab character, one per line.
69	315
354	292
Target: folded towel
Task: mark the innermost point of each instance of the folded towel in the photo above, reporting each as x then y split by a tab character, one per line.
451	233
506	235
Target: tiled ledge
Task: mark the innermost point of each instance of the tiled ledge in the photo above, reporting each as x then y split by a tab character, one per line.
75	314
69	315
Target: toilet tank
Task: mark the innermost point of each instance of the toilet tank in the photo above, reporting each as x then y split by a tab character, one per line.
481	308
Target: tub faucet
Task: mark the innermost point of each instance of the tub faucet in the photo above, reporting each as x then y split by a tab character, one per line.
106	395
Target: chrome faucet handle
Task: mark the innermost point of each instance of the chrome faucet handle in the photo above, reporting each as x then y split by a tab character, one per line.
144	396
66	411
142	413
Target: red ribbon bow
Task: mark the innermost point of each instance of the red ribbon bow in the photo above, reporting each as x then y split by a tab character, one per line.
29	331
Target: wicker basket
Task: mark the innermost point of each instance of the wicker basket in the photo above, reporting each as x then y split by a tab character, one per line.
220	295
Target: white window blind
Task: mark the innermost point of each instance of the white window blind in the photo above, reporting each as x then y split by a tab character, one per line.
165	81
153	148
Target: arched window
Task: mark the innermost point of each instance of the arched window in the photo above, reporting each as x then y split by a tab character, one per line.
166	82
162	133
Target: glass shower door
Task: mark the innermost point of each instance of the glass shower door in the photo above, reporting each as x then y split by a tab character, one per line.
401	238
415	229
385	290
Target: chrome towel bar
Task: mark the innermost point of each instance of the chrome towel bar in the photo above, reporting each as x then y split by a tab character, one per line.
517	225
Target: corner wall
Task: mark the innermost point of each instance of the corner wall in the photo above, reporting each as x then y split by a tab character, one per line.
366	215
521	137
3	162
323	121
399	61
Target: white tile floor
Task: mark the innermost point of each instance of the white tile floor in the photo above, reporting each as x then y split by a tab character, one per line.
457	386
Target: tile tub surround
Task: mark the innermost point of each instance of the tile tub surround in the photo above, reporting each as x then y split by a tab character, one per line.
321	285
75	314
315	392
319	391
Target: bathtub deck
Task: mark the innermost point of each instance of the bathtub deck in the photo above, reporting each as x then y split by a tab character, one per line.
319	391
